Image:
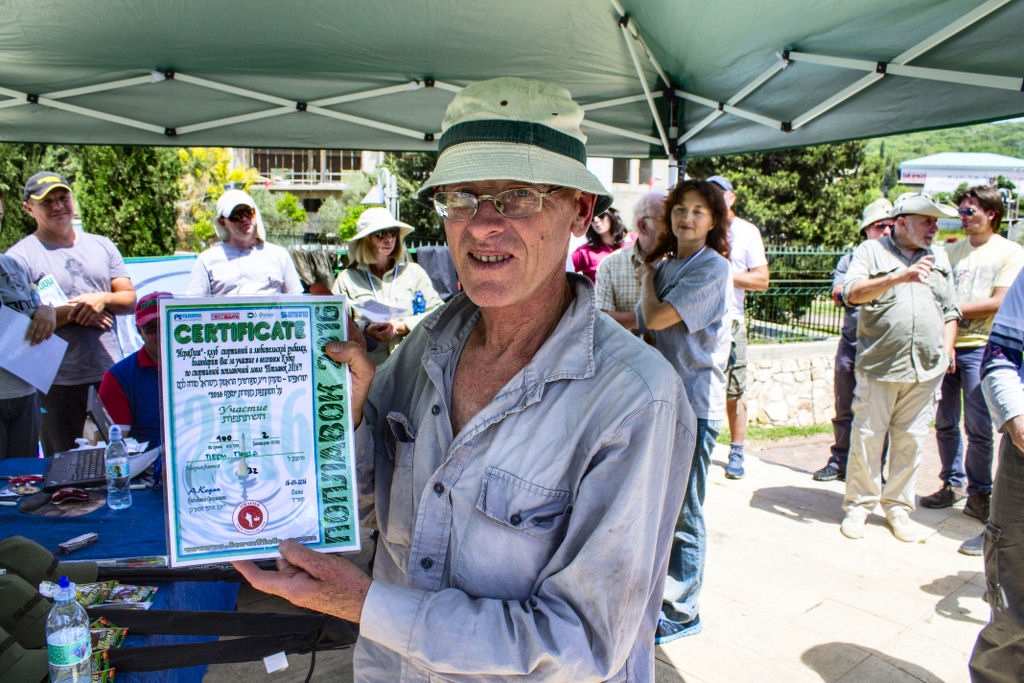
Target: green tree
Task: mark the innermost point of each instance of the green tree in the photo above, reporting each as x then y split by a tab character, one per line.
288	204
411	169
809	196
347	228
128	194
330	215
206	173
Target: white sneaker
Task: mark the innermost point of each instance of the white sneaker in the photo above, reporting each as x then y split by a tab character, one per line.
853	524
902	528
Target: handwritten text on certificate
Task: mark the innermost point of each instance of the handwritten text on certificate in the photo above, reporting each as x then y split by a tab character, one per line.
257	428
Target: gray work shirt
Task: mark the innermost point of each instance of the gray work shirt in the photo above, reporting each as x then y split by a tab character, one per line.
899	334
533	543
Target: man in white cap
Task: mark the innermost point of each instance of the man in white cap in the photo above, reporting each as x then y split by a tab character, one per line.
875	222
528	456
908	319
243	263
94	287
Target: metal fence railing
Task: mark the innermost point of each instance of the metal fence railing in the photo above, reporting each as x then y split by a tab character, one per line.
797	306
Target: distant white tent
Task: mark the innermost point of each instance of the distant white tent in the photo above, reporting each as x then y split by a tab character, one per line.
946	171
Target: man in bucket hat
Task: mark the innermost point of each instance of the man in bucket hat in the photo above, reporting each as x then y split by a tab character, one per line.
908	319
523	456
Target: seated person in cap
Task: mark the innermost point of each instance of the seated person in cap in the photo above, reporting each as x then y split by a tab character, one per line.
522	455
243	263
130	390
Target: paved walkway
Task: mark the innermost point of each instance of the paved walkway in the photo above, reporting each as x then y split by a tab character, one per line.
788	598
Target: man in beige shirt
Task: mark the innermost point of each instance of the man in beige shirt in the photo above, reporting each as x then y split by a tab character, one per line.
905	335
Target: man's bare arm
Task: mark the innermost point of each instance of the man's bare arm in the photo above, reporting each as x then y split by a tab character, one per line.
983	308
625	318
753	280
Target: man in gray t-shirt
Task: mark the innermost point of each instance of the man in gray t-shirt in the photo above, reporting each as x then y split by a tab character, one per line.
91	274
19	403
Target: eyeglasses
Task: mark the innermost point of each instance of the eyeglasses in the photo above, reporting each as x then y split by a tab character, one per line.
519	202
241	213
969	211
384	234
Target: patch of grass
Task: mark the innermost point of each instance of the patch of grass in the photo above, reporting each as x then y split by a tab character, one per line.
761	433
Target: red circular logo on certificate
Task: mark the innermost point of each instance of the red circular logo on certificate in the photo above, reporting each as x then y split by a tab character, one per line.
250	517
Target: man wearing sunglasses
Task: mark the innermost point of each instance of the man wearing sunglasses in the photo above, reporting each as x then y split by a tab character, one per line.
243	263
905	334
985	264
523	456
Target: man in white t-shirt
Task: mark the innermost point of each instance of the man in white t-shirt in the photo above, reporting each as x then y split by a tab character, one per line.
749	274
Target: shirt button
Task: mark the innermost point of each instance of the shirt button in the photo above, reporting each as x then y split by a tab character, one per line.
439	488
426	563
435	410
516	519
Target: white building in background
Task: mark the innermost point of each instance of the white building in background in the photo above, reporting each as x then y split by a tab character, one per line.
946	171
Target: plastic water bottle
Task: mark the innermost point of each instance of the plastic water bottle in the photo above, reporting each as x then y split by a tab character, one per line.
119	495
419	303
68	643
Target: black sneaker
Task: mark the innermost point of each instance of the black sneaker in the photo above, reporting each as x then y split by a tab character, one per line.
829	473
977	506
944	497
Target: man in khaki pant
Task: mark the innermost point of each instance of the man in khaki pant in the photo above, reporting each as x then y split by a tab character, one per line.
905	335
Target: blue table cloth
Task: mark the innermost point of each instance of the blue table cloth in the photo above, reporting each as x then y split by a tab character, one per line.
137	531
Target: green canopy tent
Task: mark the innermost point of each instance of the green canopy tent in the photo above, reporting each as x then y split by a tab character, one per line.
657	77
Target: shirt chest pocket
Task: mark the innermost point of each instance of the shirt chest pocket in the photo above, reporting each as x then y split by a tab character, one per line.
397	521
511	535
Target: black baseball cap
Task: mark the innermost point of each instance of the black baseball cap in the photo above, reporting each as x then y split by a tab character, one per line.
40	185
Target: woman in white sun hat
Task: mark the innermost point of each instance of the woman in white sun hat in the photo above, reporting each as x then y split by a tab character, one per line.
381	275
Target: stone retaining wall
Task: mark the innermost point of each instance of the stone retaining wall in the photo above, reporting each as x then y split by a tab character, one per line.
790	384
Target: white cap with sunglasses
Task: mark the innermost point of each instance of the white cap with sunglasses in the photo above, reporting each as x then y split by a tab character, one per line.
226	205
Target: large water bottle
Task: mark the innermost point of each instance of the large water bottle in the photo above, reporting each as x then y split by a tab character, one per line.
119	495
419	303
68	643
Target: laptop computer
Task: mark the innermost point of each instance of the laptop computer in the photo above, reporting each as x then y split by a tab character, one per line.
82	467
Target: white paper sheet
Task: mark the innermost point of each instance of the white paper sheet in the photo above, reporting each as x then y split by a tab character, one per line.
37	364
376	312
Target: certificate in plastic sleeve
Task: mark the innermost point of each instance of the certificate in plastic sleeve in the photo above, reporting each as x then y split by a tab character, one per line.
257	428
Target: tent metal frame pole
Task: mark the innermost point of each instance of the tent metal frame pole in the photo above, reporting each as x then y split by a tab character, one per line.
721	108
631	37
926	73
896	64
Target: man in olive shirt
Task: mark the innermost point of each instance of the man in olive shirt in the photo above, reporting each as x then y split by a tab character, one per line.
908	320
